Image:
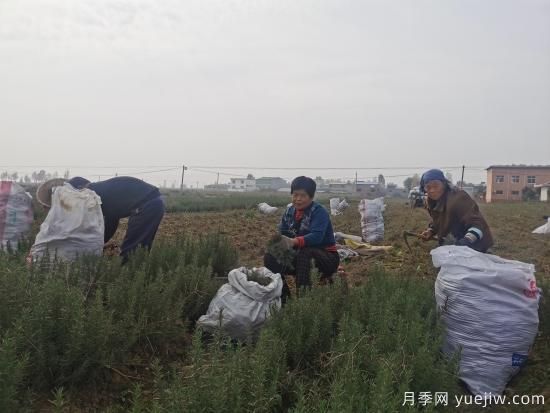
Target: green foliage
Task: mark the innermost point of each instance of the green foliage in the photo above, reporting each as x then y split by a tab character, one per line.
73	320
258	277
529	194
194	201
12	372
282	253
332	350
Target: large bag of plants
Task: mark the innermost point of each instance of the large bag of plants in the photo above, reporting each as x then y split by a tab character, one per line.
243	304
372	219
73	227
544	229
15	214
489	307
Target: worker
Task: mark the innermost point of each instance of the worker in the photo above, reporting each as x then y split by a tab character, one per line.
307	224
123	197
454	212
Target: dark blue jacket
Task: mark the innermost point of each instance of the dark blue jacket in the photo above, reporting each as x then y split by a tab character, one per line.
315	226
120	197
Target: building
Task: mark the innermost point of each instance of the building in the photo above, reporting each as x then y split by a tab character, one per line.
505	182
544	191
271	184
242	185
371	189
470	190
217	187
341	188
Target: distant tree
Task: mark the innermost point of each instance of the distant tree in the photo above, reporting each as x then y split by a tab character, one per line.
250	176
27	180
529	194
14	176
381	180
67	174
4	175
411	182
41	176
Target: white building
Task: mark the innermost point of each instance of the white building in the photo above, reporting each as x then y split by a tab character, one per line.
544	191
242	185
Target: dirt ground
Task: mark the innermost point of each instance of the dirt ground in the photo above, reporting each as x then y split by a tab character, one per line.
250	231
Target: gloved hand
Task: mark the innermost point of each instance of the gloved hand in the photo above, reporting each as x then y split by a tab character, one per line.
427	235
287	242
464	242
468	239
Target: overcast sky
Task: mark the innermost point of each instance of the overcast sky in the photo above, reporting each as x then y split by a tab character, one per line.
282	83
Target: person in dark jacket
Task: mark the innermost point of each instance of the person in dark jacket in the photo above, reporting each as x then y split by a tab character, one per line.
307	224
127	197
454	212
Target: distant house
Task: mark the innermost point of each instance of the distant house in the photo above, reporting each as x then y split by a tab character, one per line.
371	189
544	191
217	187
374	189
242	185
505	182
470	190
341	188
271	184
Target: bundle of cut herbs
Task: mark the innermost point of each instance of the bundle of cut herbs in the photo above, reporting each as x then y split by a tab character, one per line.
280	247
257	276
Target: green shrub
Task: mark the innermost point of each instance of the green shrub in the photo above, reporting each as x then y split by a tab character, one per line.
73	320
331	350
12	372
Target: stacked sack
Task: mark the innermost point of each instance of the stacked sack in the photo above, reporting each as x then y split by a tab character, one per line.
241	306
15	214
73	227
265	208
337	206
489	307
372	220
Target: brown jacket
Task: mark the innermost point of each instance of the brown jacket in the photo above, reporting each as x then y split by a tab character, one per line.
455	213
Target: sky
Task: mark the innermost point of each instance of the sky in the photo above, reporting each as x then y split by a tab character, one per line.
105	87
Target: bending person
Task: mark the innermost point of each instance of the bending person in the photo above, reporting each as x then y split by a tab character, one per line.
127	197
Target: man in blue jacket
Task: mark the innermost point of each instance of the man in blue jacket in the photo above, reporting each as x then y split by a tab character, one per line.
307	224
127	197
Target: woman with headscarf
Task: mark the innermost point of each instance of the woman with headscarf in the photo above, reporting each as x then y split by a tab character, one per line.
454	212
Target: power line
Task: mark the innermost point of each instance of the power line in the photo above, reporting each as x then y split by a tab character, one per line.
216	173
345	168
91	167
151	172
233	167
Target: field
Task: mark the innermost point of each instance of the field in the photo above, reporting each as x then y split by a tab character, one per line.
98	337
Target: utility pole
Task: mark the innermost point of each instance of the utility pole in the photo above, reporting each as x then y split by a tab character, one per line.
355	181
218	179
462	179
183	169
